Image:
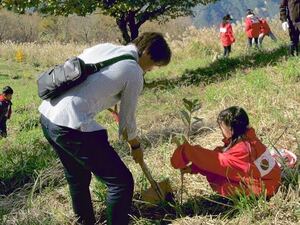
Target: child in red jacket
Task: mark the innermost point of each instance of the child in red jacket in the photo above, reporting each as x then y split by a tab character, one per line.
242	165
252	27
265	30
226	35
5	109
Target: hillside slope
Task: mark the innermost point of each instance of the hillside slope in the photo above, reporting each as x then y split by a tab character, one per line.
212	14
265	82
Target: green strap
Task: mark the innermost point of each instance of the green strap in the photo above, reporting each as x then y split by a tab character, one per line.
100	65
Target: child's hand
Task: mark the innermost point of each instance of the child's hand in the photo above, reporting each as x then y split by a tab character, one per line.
185	170
218	149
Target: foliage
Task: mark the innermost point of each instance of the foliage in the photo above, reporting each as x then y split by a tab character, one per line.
129	14
20	55
91	29
190	107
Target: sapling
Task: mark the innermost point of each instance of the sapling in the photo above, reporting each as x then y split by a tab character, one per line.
190	107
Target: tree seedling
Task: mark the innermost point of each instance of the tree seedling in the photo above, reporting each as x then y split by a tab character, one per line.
190	107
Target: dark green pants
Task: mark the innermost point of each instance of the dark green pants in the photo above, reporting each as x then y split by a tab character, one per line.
83	153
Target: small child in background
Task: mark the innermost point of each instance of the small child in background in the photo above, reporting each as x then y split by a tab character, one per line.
5	109
226	34
243	165
252	27
265	30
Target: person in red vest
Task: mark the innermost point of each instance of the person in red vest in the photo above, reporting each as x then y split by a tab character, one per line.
5	109
243	165
226	34
265	30
252	27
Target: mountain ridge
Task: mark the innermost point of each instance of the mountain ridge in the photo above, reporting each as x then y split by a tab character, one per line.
212	14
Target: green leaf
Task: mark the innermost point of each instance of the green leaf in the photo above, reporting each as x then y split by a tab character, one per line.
187	104
197	119
196	108
185	117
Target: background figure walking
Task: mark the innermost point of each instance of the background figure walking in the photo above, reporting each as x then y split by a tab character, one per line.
5	109
252	27
226	34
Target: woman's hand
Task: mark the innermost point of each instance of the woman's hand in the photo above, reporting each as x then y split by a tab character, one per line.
138	155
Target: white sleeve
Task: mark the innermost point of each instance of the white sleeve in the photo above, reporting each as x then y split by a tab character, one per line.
129	99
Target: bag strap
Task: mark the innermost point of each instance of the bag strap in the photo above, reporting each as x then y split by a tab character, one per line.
93	68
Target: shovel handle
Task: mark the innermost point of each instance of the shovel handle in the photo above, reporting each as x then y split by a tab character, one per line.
153	183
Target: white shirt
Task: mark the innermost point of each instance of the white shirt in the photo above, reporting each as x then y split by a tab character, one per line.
122	81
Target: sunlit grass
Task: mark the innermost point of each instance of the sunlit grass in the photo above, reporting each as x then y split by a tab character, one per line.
265	83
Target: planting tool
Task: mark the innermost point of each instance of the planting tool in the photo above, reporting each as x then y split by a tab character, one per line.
159	191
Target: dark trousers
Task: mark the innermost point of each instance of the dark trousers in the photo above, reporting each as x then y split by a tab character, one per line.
227	50
82	153
3	129
294	33
250	40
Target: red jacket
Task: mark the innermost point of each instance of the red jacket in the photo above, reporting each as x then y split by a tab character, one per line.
252	25
226	34
264	28
245	167
5	108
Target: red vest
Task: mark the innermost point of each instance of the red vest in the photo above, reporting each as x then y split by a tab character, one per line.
226	34
252	26
247	166
264	28
6	107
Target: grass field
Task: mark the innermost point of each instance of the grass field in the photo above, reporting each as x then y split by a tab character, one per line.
265	82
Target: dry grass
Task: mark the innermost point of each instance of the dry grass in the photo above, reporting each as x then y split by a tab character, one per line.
269	92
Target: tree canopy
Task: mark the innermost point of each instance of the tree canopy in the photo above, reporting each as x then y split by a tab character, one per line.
129	14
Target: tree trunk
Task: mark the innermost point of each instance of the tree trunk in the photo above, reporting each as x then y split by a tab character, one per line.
122	24
134	28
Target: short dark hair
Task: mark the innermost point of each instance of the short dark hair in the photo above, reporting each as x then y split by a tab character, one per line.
249	12
156	46
236	118
227	17
7	90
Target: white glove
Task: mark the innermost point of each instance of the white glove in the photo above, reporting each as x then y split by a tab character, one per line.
285	26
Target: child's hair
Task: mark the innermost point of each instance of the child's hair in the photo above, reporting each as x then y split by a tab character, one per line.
227	17
156	46
249	12
237	119
7	90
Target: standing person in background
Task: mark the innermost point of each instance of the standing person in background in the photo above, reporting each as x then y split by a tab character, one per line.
290	17
69	124
5	109
226	34
252	27
265	30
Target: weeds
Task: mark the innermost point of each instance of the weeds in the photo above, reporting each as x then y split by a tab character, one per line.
265	83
